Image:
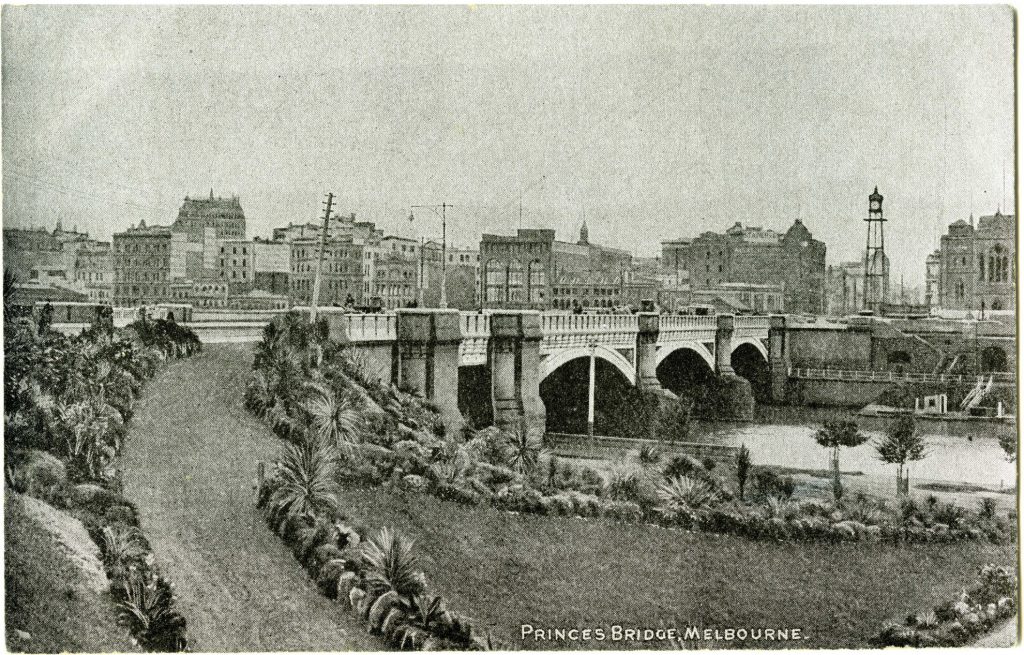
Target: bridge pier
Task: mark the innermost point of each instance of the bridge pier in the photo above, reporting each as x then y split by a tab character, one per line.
778	358
647	352
514	356
428	358
735	397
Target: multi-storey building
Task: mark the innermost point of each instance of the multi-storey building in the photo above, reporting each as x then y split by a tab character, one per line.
258	264
341	281
147	259
94	270
977	266
523	271
753	255
395	279
224	215
66	257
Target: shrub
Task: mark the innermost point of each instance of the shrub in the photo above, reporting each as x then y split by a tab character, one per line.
36	473
147	609
681	466
768	483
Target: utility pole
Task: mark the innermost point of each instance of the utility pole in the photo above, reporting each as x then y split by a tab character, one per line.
320	258
444	246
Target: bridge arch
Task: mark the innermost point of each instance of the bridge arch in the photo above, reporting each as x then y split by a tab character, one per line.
664	352
756	343
553	362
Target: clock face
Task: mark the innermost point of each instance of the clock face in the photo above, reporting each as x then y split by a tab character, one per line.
875	205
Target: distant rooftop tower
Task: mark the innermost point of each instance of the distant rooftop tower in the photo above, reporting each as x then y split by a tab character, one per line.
876	264
584	234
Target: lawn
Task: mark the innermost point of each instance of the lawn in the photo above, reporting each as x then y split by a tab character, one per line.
505	570
48	596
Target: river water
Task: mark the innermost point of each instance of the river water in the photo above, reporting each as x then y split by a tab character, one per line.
784	436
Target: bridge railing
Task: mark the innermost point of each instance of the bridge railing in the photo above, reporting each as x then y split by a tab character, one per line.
125	315
889	376
476	332
588	323
751	326
370	327
686	328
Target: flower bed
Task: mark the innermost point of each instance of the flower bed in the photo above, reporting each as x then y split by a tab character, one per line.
993	598
67	403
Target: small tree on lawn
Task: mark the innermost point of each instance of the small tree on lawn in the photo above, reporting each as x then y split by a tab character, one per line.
835	435
1008	442
743	464
901	444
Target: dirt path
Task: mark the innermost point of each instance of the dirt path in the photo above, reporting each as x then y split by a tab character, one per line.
190	466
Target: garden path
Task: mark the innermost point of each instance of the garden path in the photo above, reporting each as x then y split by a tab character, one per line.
189	465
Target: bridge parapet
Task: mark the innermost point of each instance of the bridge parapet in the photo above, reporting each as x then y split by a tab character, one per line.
751	327
566	331
674	329
476	334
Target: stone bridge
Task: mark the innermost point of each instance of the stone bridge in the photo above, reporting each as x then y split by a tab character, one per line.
425	349
504	356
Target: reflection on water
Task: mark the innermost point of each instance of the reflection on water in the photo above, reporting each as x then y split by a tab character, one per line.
783	436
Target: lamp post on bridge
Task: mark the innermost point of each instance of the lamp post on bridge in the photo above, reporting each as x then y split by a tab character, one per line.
590	388
444	248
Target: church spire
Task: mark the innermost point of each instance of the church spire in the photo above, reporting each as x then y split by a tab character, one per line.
584	234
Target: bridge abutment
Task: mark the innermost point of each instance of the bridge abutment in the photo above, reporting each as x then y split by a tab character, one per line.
428	358
514	355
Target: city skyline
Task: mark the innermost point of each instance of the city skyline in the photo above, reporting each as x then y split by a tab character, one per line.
624	116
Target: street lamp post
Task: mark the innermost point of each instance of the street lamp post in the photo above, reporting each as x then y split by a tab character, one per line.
444	246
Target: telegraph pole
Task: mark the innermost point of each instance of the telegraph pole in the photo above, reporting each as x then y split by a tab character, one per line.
320	258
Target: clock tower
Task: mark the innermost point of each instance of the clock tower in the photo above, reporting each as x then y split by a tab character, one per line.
876	264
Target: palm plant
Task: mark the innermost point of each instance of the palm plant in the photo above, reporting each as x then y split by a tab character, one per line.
649	456
148	610
122	549
683	493
420	615
524	448
305	485
335	420
391	564
258	395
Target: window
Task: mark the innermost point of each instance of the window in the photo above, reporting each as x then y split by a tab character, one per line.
538	280
494	281
515	281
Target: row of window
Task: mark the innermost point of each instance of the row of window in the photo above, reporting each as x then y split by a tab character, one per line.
134	247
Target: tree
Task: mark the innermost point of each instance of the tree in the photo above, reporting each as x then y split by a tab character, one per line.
835	435
743	465
1008	442
901	444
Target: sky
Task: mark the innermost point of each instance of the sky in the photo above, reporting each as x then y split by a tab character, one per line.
649	122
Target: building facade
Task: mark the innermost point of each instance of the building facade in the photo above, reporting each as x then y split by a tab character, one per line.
794	261
524	271
147	259
341	281
977	265
223	215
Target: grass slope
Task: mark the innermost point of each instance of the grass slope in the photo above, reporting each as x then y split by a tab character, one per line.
48	596
505	570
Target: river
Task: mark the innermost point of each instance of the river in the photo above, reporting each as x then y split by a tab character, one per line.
784	436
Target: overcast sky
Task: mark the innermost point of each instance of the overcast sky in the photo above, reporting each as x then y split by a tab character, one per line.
652	122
